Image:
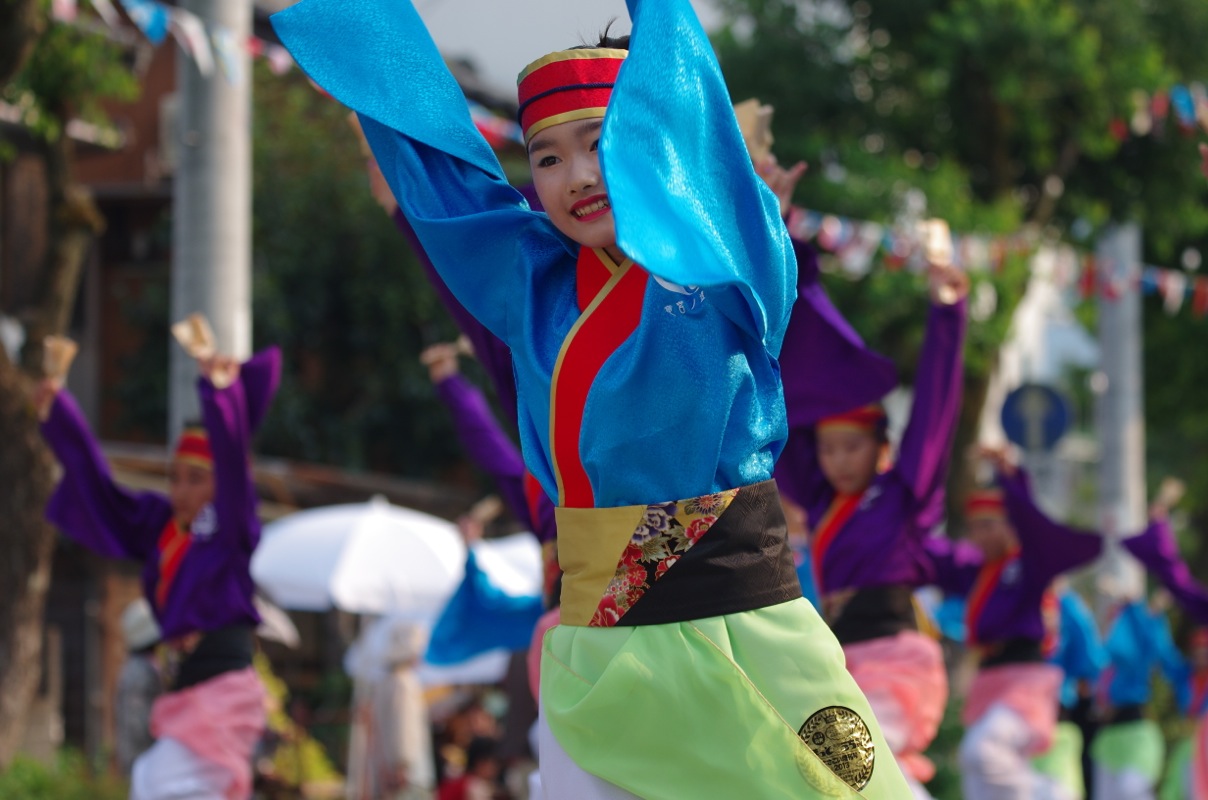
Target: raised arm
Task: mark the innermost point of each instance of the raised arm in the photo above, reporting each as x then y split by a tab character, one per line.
485	441
489	349
1157	550
376	57
88	505
926	449
227	415
687	203
952	566
1047	546
825	365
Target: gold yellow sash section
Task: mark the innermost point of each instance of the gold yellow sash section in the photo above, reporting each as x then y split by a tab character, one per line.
590	541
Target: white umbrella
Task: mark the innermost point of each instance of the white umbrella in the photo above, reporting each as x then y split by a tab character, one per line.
365	558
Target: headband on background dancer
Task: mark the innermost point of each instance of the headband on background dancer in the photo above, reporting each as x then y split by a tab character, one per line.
985	504
194	448
865	419
567	86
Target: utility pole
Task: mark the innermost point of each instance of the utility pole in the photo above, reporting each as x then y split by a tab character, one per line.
1119	409
212	202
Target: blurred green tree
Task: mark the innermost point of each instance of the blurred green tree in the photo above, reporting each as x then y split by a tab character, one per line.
1005	114
338	287
52	74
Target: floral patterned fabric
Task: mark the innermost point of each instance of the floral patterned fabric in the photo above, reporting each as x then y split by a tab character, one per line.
665	534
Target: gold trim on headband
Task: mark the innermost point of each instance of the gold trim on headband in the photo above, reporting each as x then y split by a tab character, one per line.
558	119
568	55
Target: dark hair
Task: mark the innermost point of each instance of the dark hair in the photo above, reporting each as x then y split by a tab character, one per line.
605	41
481	748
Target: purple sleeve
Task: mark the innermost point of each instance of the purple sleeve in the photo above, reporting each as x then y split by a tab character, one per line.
87	505
926	448
1156	548
485	442
954	566
826	369
489	349
825	366
1049	547
260	376
227	414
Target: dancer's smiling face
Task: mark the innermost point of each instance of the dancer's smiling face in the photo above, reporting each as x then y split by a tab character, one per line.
565	160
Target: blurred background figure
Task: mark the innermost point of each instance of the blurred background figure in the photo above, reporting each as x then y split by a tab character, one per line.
481	778
138	685
390	748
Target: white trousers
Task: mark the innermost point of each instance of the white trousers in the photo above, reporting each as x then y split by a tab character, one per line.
1122	784
995	764
171	771
563	779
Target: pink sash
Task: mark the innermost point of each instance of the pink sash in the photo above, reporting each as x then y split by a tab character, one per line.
220	720
1030	690
906	672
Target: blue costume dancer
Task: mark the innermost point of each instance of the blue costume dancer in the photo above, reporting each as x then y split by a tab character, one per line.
649	396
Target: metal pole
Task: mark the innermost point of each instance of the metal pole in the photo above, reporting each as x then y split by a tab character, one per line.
1119	409
212	202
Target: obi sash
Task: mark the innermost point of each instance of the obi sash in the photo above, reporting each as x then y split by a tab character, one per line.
672	562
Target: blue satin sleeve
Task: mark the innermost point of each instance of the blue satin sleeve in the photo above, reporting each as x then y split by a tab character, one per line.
687	203
377	58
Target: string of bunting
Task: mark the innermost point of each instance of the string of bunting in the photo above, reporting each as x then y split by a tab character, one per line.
218	46
210	47
1186	103
857	245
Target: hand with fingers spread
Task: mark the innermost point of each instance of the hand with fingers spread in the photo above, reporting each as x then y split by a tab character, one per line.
783	182
947	285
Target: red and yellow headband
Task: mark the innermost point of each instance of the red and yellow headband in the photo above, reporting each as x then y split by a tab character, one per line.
194	448
866	419
567	86
985	504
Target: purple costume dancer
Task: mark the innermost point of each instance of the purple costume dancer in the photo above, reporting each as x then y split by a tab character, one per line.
1011	711
196	575
867	546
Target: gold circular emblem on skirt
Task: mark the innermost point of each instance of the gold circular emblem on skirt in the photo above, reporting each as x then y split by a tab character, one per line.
840	738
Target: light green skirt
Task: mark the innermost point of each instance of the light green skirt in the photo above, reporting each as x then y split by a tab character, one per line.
1138	746
719	708
1063	760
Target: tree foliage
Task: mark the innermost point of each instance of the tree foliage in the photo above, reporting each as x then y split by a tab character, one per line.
53	74
339	288
1006	114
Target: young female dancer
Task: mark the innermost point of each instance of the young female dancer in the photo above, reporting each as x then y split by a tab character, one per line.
644	313
196	545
